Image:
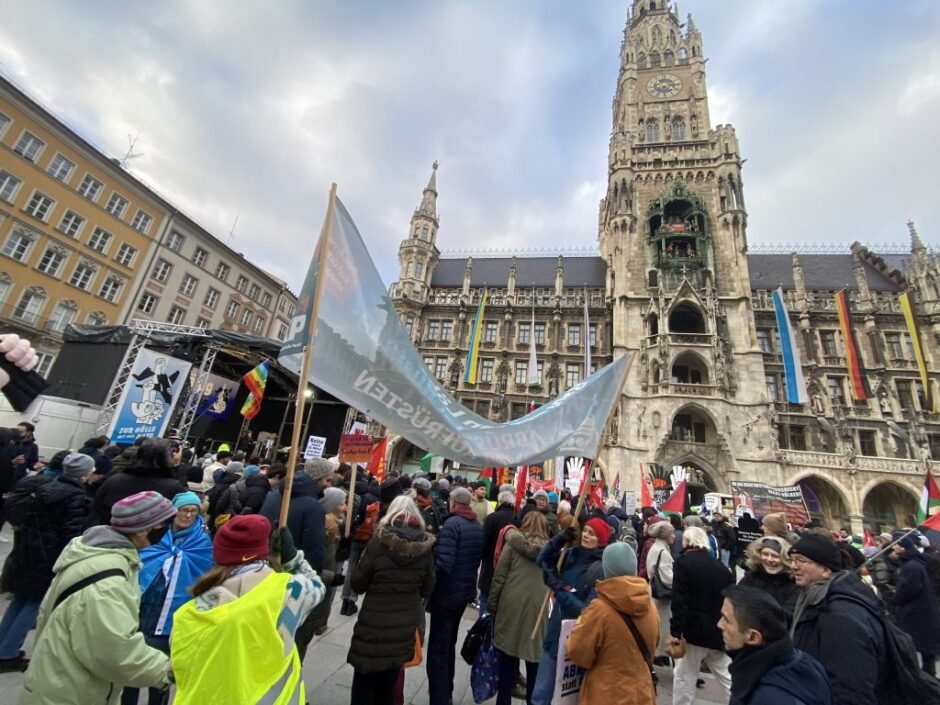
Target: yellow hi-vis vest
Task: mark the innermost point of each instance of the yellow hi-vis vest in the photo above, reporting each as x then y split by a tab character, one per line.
233	655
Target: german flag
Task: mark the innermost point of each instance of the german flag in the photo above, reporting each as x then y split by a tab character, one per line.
913	329
853	359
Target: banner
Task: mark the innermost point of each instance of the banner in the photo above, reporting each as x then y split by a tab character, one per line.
568	675
315	446
148	400
363	355
355	448
217	396
792	366
759	499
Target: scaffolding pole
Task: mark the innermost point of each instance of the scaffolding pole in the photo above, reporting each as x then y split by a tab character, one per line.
188	417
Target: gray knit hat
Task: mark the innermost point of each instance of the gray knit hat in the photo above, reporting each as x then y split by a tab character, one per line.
140	511
235	466
76	465
318	468
422	484
461	495
332	498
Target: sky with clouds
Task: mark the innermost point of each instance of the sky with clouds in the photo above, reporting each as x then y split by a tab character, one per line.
251	109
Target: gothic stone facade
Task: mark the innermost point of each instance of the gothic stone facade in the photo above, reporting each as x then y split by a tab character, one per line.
675	286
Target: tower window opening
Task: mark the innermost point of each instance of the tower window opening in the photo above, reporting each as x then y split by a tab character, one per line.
641	60
686	318
653	282
654	59
668	58
652	131
688	428
683	54
652	6
678	128
689	369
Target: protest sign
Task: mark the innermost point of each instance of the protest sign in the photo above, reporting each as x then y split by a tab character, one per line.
148	399
759	499
568	675
314	447
628	502
355	448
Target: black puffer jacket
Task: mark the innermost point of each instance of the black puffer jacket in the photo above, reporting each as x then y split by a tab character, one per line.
305	518
697	582
63	511
492	525
915	605
395	572
779	586
134	479
256	489
459	547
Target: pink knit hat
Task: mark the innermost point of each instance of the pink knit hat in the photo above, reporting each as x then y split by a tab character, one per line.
140	511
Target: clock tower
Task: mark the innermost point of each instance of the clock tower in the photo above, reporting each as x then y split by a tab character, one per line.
672	229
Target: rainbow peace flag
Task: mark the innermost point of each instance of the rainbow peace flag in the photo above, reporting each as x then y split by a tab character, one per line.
256	381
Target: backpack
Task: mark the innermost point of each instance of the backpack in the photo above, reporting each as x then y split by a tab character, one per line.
432	518
22	505
218	500
365	530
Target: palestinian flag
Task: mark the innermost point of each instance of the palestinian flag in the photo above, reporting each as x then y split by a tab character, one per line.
678	502
432	463
929	500
487	476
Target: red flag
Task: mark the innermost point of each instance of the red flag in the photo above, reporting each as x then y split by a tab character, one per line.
646	496
584	478
867	540
377	462
522	477
678	502
596	497
933	522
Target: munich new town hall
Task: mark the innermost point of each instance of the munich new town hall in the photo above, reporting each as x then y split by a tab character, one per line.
675	285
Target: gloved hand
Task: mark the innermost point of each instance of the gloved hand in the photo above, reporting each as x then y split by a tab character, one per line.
338	580
282	543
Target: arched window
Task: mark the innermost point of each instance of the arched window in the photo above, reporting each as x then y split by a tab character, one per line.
424	233
652	131
6	283
96	318
652	281
657	36
654	59
683	54
410	269
653	319
652	6
689	368
686	318
678	128
419	268
63	315
668	58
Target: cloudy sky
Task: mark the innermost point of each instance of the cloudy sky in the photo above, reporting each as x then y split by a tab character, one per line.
254	111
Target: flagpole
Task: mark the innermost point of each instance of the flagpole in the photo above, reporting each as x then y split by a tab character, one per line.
307	355
887	548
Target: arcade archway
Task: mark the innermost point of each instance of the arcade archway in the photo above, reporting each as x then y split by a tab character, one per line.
888	506
825	502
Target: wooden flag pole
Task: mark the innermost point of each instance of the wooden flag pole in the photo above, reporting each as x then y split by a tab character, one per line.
307	355
587	488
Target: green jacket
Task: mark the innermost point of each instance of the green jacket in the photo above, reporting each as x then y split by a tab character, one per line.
89	648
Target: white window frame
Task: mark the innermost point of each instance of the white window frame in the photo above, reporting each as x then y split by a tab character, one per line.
188	285
231	311
241	284
76	279
203	322
266	299
120	257
254	292
117	205
5	122
34	211
148	302
175	240
176	315
222	271
54	169
211	299
56	258
30	157
96	318
100	240
199	257
110	289
245	320
68	230
161	271
9	185
13	245
44	362
35	296
95	186
258	326
138	225
62	316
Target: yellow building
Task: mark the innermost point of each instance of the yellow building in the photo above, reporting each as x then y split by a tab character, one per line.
74	227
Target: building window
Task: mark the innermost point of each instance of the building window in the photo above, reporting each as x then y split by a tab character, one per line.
525	330
866	443
176	315
486	369
5	285
834	385
39	206
764	340
82	276
199	257
202	323
246	318
895	349
254	292
63	316
31	303
905	393
241	283
96	318
8	185
125	254
828	340
266	300
188	285
429	363
71	223
409	324
259	324
440	368
489	331
90	188
221	271
592	334
99	240
572	374
447	329
419	268
796	437
678	128
212	299
142	222
652	131
51	262
110	289
522	371
161	271
232	309
44	363
4	123
574	334
29	146
434	330
17	246
282	331
540	334
117	204
61	168
773	390
147	303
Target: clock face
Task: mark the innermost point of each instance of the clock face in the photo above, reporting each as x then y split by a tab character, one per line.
665	85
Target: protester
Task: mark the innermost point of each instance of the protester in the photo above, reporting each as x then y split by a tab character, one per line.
170	567
251	490
430	511
775	525
223	501
395	574
88	646
366	519
7	474
459	547
572	586
698	580
768	561
836	621
151	471
727	541
94	448
513	599
765	668
479	503
565	519
222	459
333	502
676	546
540	497
45	515
234	642
915	603
22	451
603	641
883	569
503	516
128	456
659	569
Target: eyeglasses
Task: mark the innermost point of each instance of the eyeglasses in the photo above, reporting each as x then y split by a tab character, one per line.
188	510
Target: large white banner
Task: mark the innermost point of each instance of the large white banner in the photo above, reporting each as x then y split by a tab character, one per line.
363	355
149	398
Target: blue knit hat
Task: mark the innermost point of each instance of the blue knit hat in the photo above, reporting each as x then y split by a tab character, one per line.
618	559
250	471
184	499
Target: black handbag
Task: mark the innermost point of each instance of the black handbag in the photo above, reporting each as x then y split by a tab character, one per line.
474	639
657	587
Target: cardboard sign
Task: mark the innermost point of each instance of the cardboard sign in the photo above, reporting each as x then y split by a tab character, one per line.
314	449
628	502
568	675
355	448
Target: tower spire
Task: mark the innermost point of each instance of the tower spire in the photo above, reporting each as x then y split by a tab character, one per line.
916	243
428	205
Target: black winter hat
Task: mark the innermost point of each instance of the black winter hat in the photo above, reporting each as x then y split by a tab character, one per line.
819	549
390	489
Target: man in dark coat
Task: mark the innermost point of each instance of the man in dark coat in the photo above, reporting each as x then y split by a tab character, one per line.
128	456
837	621
7	473
459	547
765	668
915	605
23	452
492	525
152	470
697	583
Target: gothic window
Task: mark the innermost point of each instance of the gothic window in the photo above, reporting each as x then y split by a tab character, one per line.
653	279
641	60
652	131
409	270
657	36
424	232
686	318
654	321
669	58
489	331
835	389
654	59
764	340
678	128
683	54
773	390
419	269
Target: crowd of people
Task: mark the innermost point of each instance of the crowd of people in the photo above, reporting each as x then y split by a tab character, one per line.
144	569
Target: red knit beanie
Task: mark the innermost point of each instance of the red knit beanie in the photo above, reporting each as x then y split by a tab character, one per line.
242	539
601	528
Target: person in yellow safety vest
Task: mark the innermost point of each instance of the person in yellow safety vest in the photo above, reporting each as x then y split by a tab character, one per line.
234	642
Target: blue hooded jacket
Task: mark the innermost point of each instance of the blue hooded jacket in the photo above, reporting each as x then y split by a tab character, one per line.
777	674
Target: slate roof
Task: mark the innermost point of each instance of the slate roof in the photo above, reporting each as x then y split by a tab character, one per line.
823	272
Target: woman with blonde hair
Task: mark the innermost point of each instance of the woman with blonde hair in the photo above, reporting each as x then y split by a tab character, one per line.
396	574
659	563
768	569
518	615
